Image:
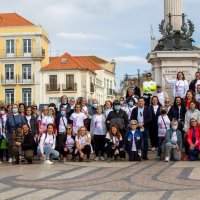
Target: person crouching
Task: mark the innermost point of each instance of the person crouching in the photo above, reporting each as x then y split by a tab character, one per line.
134	142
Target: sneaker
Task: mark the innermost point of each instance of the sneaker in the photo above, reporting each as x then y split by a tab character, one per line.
64	159
102	158
167	159
97	158
48	162
10	160
186	157
153	149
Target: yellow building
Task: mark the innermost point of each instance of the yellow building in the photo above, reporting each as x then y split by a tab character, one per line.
24	49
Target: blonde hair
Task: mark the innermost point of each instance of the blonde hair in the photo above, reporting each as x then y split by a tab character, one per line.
79	131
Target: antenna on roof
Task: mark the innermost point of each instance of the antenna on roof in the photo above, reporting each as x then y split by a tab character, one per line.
152	32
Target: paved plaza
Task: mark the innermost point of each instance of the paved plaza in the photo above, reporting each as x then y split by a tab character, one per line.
150	180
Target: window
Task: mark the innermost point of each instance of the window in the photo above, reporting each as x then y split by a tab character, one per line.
9	46
9	94
9	72
110	84
70	81
107	83
53	82
55	100
26	96
26	71
27	45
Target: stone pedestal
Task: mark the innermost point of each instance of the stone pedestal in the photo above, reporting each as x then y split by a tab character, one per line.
170	63
175	7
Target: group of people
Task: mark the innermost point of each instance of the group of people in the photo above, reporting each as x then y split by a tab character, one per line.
111	131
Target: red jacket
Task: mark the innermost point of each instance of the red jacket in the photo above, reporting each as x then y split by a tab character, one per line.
197	136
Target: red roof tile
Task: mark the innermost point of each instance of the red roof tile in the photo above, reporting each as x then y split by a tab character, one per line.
98	60
13	19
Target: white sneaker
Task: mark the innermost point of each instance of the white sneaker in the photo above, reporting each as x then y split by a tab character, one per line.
102	158
48	162
153	149
10	160
167	159
97	158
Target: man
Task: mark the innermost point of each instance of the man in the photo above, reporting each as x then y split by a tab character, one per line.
143	116
195	82
135	88
173	142
28	144
160	94
148	87
118	117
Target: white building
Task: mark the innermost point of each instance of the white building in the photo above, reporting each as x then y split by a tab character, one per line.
78	76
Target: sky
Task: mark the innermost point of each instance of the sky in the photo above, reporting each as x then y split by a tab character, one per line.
110	29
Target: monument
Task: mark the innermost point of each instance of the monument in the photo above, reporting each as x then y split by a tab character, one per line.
175	51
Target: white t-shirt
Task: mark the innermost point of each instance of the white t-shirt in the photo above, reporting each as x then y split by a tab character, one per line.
83	139
197	83
133	145
155	108
107	111
78	120
45	121
129	111
98	125
50	140
161	125
174	137
28	120
70	143
62	124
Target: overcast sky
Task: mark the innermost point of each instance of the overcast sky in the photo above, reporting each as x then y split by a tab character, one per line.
111	29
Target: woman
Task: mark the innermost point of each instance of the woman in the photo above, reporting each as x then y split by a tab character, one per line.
134	142
83	143
46	147
167	104
69	144
35	111
22	108
178	111
77	118
114	144
153	129
130	107
189	97
3	141
31	121
65	104
108	107
61	126
98	130
122	103
14	120
131	94
193	140
163	126
181	85
197	95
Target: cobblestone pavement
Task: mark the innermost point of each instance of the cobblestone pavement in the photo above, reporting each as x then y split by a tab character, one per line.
146	180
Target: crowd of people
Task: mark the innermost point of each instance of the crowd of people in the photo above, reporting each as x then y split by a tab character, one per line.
80	127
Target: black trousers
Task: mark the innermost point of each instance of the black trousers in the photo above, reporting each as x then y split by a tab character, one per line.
110	152
59	142
86	150
65	153
133	156
153	134
99	144
160	142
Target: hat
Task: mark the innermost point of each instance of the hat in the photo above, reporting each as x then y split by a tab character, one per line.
116	102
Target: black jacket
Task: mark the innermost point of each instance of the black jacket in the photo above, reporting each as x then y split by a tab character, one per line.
33	124
137	91
174	113
192	85
29	142
154	116
146	115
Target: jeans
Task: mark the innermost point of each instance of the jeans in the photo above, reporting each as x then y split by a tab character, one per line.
160	142
145	138
171	150
49	152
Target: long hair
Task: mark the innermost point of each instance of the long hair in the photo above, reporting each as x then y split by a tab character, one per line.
159	104
182	74
118	134
191	122
193	95
79	131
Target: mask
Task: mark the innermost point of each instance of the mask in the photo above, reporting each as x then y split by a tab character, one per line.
90	104
63	113
130	103
117	107
163	112
174	127
95	105
3	112
121	102
15	110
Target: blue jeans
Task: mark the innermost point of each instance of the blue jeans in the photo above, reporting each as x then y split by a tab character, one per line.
145	138
49	152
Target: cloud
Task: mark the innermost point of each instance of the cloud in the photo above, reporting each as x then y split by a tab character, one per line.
81	36
126	45
138	60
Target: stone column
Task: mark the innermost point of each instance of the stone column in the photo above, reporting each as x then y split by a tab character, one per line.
175	7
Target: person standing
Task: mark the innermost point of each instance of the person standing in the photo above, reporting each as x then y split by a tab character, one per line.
135	88
149	86
195	82
160	94
143	115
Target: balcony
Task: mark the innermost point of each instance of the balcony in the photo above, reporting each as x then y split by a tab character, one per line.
52	87
5	81
69	87
30	80
110	92
17	80
19	53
